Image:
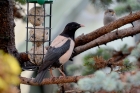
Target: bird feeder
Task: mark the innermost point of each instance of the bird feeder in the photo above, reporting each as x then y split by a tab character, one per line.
38	31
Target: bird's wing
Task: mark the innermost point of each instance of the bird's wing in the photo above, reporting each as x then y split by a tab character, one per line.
53	54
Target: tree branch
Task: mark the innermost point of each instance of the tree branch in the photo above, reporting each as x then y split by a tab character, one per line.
83	39
54	80
68	79
24	56
107	38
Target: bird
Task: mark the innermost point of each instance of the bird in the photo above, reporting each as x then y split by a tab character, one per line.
109	16
59	51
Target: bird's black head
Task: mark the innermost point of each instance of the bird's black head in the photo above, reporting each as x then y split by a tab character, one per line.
70	29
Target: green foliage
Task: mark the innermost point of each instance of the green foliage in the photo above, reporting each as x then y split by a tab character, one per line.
72	68
89	62
88	66
106	53
136	52
126	7
101	81
128	66
135	79
88	70
103	4
121	1
124	49
121	7
109	82
126	62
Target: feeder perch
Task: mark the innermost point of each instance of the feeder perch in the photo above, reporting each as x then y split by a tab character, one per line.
38	32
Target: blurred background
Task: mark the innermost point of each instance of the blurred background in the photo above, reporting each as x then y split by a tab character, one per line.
87	12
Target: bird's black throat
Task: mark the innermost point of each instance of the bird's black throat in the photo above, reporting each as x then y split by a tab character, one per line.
68	34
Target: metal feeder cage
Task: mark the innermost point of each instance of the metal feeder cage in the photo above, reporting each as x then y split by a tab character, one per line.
38	33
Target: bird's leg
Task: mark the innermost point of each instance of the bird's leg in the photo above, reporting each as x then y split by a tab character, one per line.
51	73
71	59
61	69
61	72
61	85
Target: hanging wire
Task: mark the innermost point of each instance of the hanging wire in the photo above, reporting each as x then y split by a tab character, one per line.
34	34
44	30
27	28
50	20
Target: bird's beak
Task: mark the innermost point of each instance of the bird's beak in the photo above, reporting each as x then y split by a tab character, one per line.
113	13
82	25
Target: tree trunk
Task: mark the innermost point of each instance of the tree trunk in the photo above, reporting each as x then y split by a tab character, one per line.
7	35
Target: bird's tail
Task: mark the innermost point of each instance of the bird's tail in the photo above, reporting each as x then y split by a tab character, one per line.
40	76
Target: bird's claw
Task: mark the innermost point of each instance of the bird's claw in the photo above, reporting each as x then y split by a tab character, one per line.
52	78
61	77
71	58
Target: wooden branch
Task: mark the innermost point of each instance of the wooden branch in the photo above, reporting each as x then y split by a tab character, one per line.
119	55
55	80
24	57
83	39
68	79
107	38
101	63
